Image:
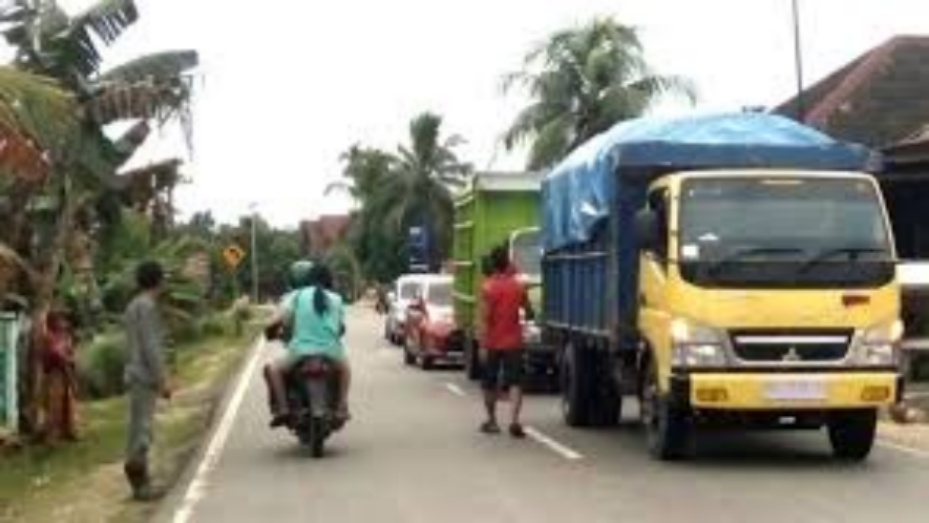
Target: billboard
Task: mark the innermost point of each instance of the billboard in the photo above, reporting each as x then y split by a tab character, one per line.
418	240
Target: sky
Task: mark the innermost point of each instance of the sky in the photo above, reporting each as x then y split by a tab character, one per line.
286	86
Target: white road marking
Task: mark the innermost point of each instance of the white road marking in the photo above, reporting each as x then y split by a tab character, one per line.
455	389
922	454
560	449
197	488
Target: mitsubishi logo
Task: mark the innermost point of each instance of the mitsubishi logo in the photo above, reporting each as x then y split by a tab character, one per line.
791	355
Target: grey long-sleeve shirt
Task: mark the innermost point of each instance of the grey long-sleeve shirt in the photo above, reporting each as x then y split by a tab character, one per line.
145	364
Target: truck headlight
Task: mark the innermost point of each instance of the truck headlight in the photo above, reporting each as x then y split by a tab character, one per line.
879	345
695	345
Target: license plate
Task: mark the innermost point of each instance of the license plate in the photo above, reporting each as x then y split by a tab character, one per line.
795	390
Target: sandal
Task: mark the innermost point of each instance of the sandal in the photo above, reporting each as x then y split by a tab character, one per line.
490	427
342	414
280	419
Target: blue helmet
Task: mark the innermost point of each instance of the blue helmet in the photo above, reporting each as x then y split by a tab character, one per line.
301	274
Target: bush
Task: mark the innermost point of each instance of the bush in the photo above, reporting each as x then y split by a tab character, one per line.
214	325
186	331
241	314
100	366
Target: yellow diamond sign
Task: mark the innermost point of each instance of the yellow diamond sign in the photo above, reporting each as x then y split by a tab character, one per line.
233	255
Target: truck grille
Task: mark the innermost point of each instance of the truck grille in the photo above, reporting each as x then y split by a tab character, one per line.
794	347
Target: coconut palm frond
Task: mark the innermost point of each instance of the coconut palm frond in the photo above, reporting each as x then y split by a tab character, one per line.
39	122
158	67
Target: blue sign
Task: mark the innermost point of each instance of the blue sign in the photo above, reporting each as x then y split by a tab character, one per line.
419	249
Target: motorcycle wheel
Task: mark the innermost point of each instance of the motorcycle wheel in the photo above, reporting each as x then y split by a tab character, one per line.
317	438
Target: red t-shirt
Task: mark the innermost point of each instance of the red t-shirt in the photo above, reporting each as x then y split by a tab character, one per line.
503	297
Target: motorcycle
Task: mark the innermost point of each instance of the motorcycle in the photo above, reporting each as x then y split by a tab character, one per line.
312	389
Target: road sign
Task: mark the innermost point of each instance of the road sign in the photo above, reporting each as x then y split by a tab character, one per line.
233	255
9	336
418	241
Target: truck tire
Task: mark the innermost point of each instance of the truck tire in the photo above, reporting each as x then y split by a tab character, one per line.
668	427
472	360
575	387
852	434
607	401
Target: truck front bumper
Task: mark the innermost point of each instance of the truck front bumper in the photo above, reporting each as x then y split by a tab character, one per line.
793	391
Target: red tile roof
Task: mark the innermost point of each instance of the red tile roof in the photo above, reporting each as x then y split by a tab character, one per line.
877	99
321	234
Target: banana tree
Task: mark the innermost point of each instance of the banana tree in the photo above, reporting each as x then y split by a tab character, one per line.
81	171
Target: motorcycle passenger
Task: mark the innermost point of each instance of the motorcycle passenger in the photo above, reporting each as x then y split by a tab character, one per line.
316	319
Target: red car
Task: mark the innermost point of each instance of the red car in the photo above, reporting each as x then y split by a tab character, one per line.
430	324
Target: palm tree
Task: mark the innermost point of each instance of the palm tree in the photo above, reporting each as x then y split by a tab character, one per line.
417	193
582	81
365	170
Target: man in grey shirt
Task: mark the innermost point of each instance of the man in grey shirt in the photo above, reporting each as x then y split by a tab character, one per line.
145	374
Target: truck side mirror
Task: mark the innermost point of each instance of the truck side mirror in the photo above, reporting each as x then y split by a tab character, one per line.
647	230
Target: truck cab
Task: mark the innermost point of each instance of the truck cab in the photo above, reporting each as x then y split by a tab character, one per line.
526	253
728	270
769	298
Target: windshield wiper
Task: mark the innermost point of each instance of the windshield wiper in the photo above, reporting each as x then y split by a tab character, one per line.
749	252
852	252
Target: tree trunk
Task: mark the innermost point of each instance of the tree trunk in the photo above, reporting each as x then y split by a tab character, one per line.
42	300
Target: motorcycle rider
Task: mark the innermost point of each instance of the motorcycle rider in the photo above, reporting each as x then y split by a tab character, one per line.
315	317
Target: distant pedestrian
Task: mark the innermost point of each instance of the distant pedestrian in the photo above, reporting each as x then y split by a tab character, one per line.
504	297
59	385
146	376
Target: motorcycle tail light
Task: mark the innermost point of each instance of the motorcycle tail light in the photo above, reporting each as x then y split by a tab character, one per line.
315	368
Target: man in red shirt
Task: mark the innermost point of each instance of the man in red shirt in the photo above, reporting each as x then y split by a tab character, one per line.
503	297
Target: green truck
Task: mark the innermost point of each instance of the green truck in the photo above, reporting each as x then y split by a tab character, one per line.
497	208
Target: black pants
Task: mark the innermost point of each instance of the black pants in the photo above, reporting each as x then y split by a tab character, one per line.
503	368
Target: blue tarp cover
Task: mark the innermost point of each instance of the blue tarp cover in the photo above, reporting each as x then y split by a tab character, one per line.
577	193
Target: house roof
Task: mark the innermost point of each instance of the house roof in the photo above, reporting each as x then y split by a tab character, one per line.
322	233
878	99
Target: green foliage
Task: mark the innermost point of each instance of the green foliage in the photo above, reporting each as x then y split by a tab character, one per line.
182	299
582	81
100	366
276	248
215	325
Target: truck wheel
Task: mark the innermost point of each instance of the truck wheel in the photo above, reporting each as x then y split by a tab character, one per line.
472	360
608	402
668	428
852	434
575	397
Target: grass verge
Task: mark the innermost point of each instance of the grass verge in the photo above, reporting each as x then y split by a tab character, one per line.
83	481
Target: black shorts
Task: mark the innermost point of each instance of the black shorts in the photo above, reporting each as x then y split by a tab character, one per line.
503	368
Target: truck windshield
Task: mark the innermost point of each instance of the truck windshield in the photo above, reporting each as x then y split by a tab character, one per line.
527	252
440	294
780	232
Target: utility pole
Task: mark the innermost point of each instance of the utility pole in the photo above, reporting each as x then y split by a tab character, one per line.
798	60
253	207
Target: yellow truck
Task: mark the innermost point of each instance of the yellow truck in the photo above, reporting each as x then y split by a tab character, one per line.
729	270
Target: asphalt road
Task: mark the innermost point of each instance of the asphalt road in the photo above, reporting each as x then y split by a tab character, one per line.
413	454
